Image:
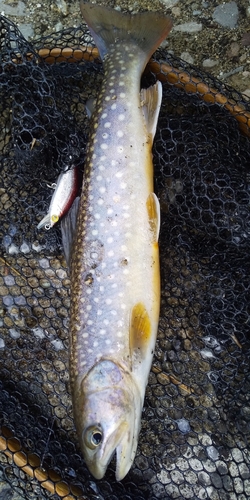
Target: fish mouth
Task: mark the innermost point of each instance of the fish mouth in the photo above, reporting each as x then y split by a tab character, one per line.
121	442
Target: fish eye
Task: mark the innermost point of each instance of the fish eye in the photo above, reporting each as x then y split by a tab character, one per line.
93	436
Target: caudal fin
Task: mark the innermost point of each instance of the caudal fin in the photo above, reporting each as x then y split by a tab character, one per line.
146	30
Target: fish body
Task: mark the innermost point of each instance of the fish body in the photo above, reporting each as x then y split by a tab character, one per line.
115	277
65	192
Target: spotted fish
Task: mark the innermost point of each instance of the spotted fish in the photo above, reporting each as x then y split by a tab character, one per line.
115	279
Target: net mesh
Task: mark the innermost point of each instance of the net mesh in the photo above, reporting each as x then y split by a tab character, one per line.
195	437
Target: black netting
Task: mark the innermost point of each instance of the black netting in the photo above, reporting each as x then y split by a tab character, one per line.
195	437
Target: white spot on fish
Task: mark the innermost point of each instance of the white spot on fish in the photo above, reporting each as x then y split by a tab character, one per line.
95	343
119	334
122	95
123	185
96	299
106	321
125	271
107	98
97	216
89	307
119	133
101	167
95	232
121	84
108	301
99	312
120	149
105	135
108	341
88	291
110	211
110	239
113	312
103	157
100	201
119	174
102	189
113	106
110	253
104	115
121	117
102	331
85	335
107	124
101	288
104	146
99	177
89	322
114	285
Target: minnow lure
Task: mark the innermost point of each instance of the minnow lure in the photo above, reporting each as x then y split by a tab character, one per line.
65	192
114	258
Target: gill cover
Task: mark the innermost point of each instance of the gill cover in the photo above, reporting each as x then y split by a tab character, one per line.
107	417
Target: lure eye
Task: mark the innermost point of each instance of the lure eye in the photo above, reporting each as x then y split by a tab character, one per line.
54	218
93	436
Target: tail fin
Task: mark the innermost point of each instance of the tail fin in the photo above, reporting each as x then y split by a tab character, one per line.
146	30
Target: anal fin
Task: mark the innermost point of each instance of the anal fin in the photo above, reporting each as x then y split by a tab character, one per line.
151	103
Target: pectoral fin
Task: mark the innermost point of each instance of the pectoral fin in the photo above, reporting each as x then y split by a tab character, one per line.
139	333
68	227
151	103
90	106
154	216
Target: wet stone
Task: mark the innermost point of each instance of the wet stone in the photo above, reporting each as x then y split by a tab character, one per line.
164	477
244	471
233	469
238	485
216	480
186	491
9	280
44	263
176	477
221	467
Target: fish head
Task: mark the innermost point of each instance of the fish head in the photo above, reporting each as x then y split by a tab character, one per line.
107	413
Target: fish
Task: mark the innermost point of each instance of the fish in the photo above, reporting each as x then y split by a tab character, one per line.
114	253
66	190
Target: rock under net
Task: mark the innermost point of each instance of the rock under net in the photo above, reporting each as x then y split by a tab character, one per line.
195	438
